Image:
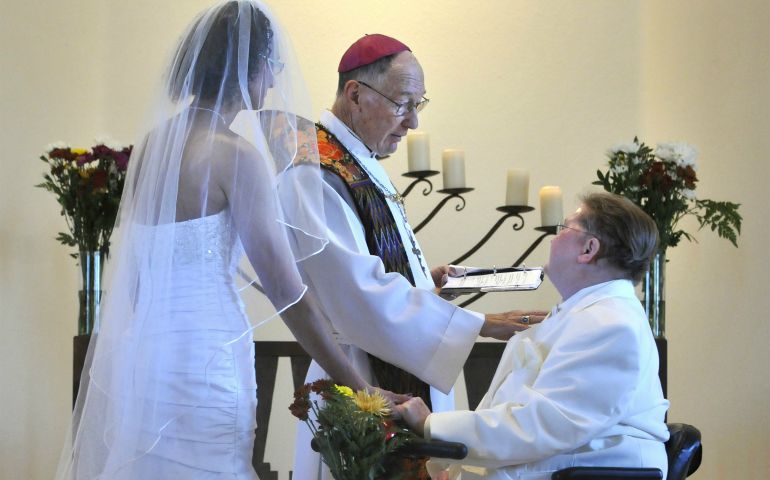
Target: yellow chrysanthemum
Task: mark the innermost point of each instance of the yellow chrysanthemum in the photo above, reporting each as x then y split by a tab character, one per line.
373	403
79	151
347	391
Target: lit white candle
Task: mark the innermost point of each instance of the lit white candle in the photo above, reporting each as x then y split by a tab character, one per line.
454	168
517	192
551	212
418	151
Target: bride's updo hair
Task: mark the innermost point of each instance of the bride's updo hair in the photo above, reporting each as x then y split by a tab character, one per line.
207	64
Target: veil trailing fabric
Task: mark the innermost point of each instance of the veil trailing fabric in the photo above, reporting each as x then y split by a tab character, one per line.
227	167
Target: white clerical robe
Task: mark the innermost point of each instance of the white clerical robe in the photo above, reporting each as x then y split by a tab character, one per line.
581	388
378	312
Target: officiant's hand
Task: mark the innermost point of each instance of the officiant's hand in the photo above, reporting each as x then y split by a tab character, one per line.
439	275
414	412
502	326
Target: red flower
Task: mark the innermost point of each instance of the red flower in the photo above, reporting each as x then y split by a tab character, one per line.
121	161
83	159
102	151
300	408
64	153
657	175
688	175
99	178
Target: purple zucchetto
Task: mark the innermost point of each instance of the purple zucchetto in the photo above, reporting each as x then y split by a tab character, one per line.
368	49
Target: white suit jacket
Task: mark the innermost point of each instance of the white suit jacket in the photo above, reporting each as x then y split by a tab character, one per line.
581	388
378	312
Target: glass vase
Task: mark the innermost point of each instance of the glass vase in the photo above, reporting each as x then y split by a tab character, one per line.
654	295
90	294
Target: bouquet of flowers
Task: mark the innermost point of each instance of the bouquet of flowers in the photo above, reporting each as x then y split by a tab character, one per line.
88	184
662	182
350	429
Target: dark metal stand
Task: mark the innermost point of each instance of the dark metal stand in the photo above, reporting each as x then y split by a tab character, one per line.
450	194
510	211
420	176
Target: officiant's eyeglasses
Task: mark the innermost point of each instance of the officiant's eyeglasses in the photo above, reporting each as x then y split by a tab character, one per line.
401	108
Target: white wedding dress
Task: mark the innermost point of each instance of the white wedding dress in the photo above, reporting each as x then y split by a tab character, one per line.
205	392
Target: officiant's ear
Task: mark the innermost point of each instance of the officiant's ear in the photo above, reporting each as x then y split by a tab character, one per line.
590	250
351	90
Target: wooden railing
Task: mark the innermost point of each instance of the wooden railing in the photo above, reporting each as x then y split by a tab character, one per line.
478	371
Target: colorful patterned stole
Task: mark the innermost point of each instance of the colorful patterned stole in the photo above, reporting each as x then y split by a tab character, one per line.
382	239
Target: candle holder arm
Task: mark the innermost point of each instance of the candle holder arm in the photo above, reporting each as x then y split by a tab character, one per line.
450	194
510	211
419	176
516	226
426	191
546	232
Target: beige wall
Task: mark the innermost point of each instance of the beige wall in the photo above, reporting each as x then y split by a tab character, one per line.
541	85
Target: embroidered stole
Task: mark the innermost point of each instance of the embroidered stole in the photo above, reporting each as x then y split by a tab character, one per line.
382	239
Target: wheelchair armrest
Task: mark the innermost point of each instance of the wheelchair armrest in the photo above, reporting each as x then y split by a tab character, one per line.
432	448
606	473
423	448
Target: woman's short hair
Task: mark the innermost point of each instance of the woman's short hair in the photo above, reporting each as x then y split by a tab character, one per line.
208	68
628	237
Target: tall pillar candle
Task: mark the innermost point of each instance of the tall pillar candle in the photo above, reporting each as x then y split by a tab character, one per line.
551	212
418	151
517	192
453	161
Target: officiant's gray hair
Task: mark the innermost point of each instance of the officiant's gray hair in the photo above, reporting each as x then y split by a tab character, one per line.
628	237
371	73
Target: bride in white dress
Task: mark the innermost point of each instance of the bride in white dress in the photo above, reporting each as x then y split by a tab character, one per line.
168	389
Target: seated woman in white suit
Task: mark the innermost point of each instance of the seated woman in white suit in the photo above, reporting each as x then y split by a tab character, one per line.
582	387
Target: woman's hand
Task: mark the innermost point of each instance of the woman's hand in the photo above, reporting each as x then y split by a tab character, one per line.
414	412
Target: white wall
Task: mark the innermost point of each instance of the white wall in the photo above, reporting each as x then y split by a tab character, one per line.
50	88
707	80
542	85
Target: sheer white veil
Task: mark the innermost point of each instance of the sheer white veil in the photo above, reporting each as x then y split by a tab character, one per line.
227	138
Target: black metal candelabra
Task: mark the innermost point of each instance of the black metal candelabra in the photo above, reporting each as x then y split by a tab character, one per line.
450	194
509	211
419	177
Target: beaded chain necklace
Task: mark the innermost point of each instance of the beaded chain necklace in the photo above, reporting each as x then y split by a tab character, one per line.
396	197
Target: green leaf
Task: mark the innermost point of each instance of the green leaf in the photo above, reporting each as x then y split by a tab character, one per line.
722	217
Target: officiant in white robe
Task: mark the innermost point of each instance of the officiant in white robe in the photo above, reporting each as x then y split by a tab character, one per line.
582	387
372	278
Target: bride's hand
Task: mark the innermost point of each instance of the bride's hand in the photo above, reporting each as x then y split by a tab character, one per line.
392	398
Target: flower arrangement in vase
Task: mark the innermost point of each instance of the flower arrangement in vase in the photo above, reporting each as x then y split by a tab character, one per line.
663	182
88	184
